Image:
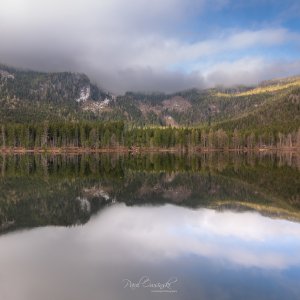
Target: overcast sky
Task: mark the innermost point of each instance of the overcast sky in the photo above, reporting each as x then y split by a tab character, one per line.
157	45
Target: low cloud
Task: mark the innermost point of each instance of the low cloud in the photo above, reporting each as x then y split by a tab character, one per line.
135	45
249	71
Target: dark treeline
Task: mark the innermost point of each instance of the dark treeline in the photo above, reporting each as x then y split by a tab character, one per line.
97	135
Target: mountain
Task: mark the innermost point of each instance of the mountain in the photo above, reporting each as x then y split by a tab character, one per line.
36	96
27	96
280	111
272	103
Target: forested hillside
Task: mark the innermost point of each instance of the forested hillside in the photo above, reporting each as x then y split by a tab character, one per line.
35	96
47	110
282	112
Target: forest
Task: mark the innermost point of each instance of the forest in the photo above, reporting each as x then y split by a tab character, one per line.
116	135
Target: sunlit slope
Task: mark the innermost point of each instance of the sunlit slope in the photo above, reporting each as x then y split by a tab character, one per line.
272	86
281	110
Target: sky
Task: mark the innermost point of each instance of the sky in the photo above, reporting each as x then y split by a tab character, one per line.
157	45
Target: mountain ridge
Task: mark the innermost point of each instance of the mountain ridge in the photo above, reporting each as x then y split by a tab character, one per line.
28	96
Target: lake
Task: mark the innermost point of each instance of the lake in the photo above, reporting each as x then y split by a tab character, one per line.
150	226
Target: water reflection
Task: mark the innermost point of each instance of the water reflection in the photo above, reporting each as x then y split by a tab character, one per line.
66	190
248	239
225	225
212	254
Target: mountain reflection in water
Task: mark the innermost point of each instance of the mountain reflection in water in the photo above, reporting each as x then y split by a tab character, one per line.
160	226
39	190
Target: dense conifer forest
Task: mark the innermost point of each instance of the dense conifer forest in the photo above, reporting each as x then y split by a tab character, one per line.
115	135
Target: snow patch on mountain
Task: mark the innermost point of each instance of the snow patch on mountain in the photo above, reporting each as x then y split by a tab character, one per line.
4	74
85	93
96	107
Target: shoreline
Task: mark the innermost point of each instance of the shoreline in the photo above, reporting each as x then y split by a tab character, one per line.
86	150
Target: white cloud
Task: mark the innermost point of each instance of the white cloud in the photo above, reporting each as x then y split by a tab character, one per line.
112	38
156	51
248	70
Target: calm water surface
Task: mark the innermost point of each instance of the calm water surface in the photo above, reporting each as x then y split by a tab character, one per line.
211	226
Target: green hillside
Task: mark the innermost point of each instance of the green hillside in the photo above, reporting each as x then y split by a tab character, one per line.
29	96
281	112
